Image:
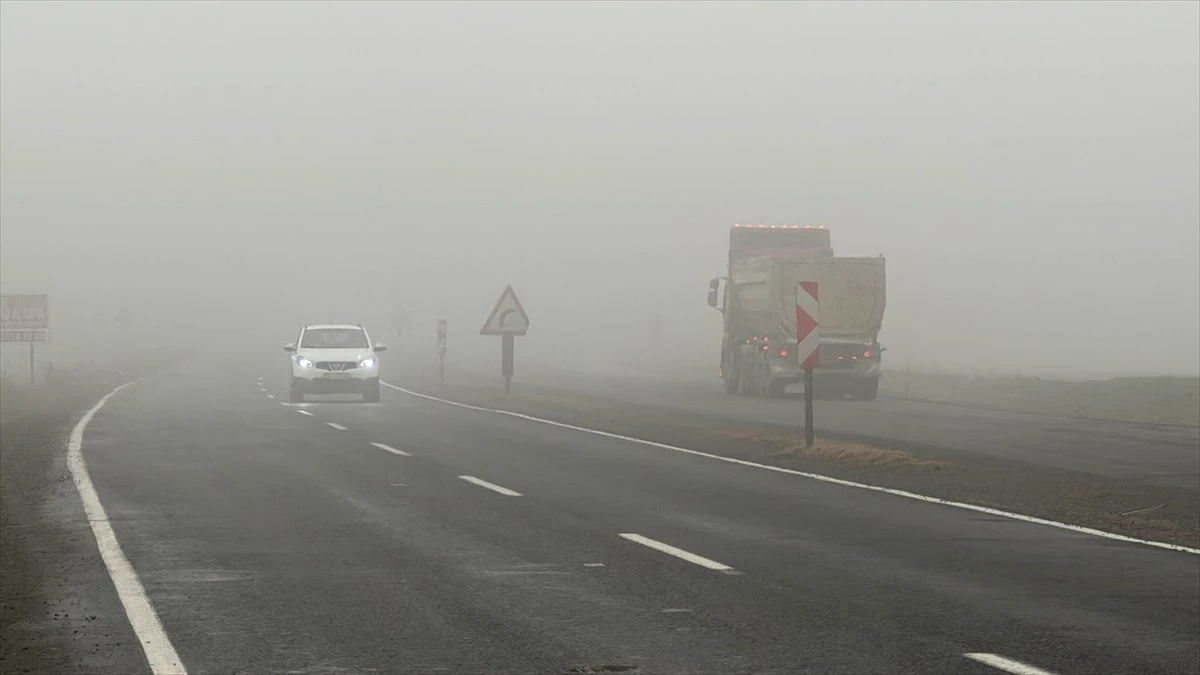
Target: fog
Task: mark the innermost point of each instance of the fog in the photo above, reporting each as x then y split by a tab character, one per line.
188	174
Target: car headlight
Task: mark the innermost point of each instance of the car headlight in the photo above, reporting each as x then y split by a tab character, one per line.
303	362
368	362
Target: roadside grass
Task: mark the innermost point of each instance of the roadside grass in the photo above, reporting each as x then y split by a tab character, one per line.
1153	400
791	446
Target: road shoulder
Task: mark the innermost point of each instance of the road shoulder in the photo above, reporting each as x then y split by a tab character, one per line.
59	611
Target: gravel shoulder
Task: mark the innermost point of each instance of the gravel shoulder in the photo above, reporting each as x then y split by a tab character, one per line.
1130	507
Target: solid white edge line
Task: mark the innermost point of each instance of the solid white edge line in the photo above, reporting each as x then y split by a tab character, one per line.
1007	665
143	619
816	476
491	486
392	450
304	412
337	426
677	552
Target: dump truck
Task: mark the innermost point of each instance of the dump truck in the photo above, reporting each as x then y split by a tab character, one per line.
758	301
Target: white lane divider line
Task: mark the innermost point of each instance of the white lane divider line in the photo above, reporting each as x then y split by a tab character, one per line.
813	476
305	412
271	396
337	426
160	655
392	450
677	552
491	486
1006	664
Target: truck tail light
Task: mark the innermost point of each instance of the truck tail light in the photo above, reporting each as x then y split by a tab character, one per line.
867	354
783	353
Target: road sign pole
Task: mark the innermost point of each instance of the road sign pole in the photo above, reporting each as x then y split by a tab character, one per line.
808	341
506	361
808	407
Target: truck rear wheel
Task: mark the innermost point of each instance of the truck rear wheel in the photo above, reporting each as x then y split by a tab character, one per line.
870	390
777	388
729	377
763	381
731	383
746	380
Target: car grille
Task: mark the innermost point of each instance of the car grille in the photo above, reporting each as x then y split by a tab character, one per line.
336	366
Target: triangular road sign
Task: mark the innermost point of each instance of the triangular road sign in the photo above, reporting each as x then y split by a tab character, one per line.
508	317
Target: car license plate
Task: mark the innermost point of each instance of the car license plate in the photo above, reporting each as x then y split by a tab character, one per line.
337	376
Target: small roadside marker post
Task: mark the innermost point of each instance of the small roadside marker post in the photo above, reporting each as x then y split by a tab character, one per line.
808	340
508	319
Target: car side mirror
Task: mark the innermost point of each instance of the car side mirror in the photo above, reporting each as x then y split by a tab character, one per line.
712	298
714	287
380	347
289	347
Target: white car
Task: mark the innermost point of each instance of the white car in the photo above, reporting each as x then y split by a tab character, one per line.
334	359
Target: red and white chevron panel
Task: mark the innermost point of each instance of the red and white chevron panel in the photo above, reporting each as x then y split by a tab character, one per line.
808	321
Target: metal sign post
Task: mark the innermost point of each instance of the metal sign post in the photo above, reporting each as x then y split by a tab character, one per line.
808	341
506	361
508	319
441	344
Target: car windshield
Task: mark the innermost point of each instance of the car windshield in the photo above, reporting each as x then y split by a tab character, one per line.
334	338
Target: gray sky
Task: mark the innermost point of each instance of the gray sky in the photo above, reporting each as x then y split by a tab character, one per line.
1031	170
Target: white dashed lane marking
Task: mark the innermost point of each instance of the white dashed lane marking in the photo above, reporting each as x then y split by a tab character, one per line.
337	426
677	552
392	450
491	486
304	412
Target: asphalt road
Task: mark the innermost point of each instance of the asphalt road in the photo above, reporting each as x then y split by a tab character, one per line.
283	538
1157	454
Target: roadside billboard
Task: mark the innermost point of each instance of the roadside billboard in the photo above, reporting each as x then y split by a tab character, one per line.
24	318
